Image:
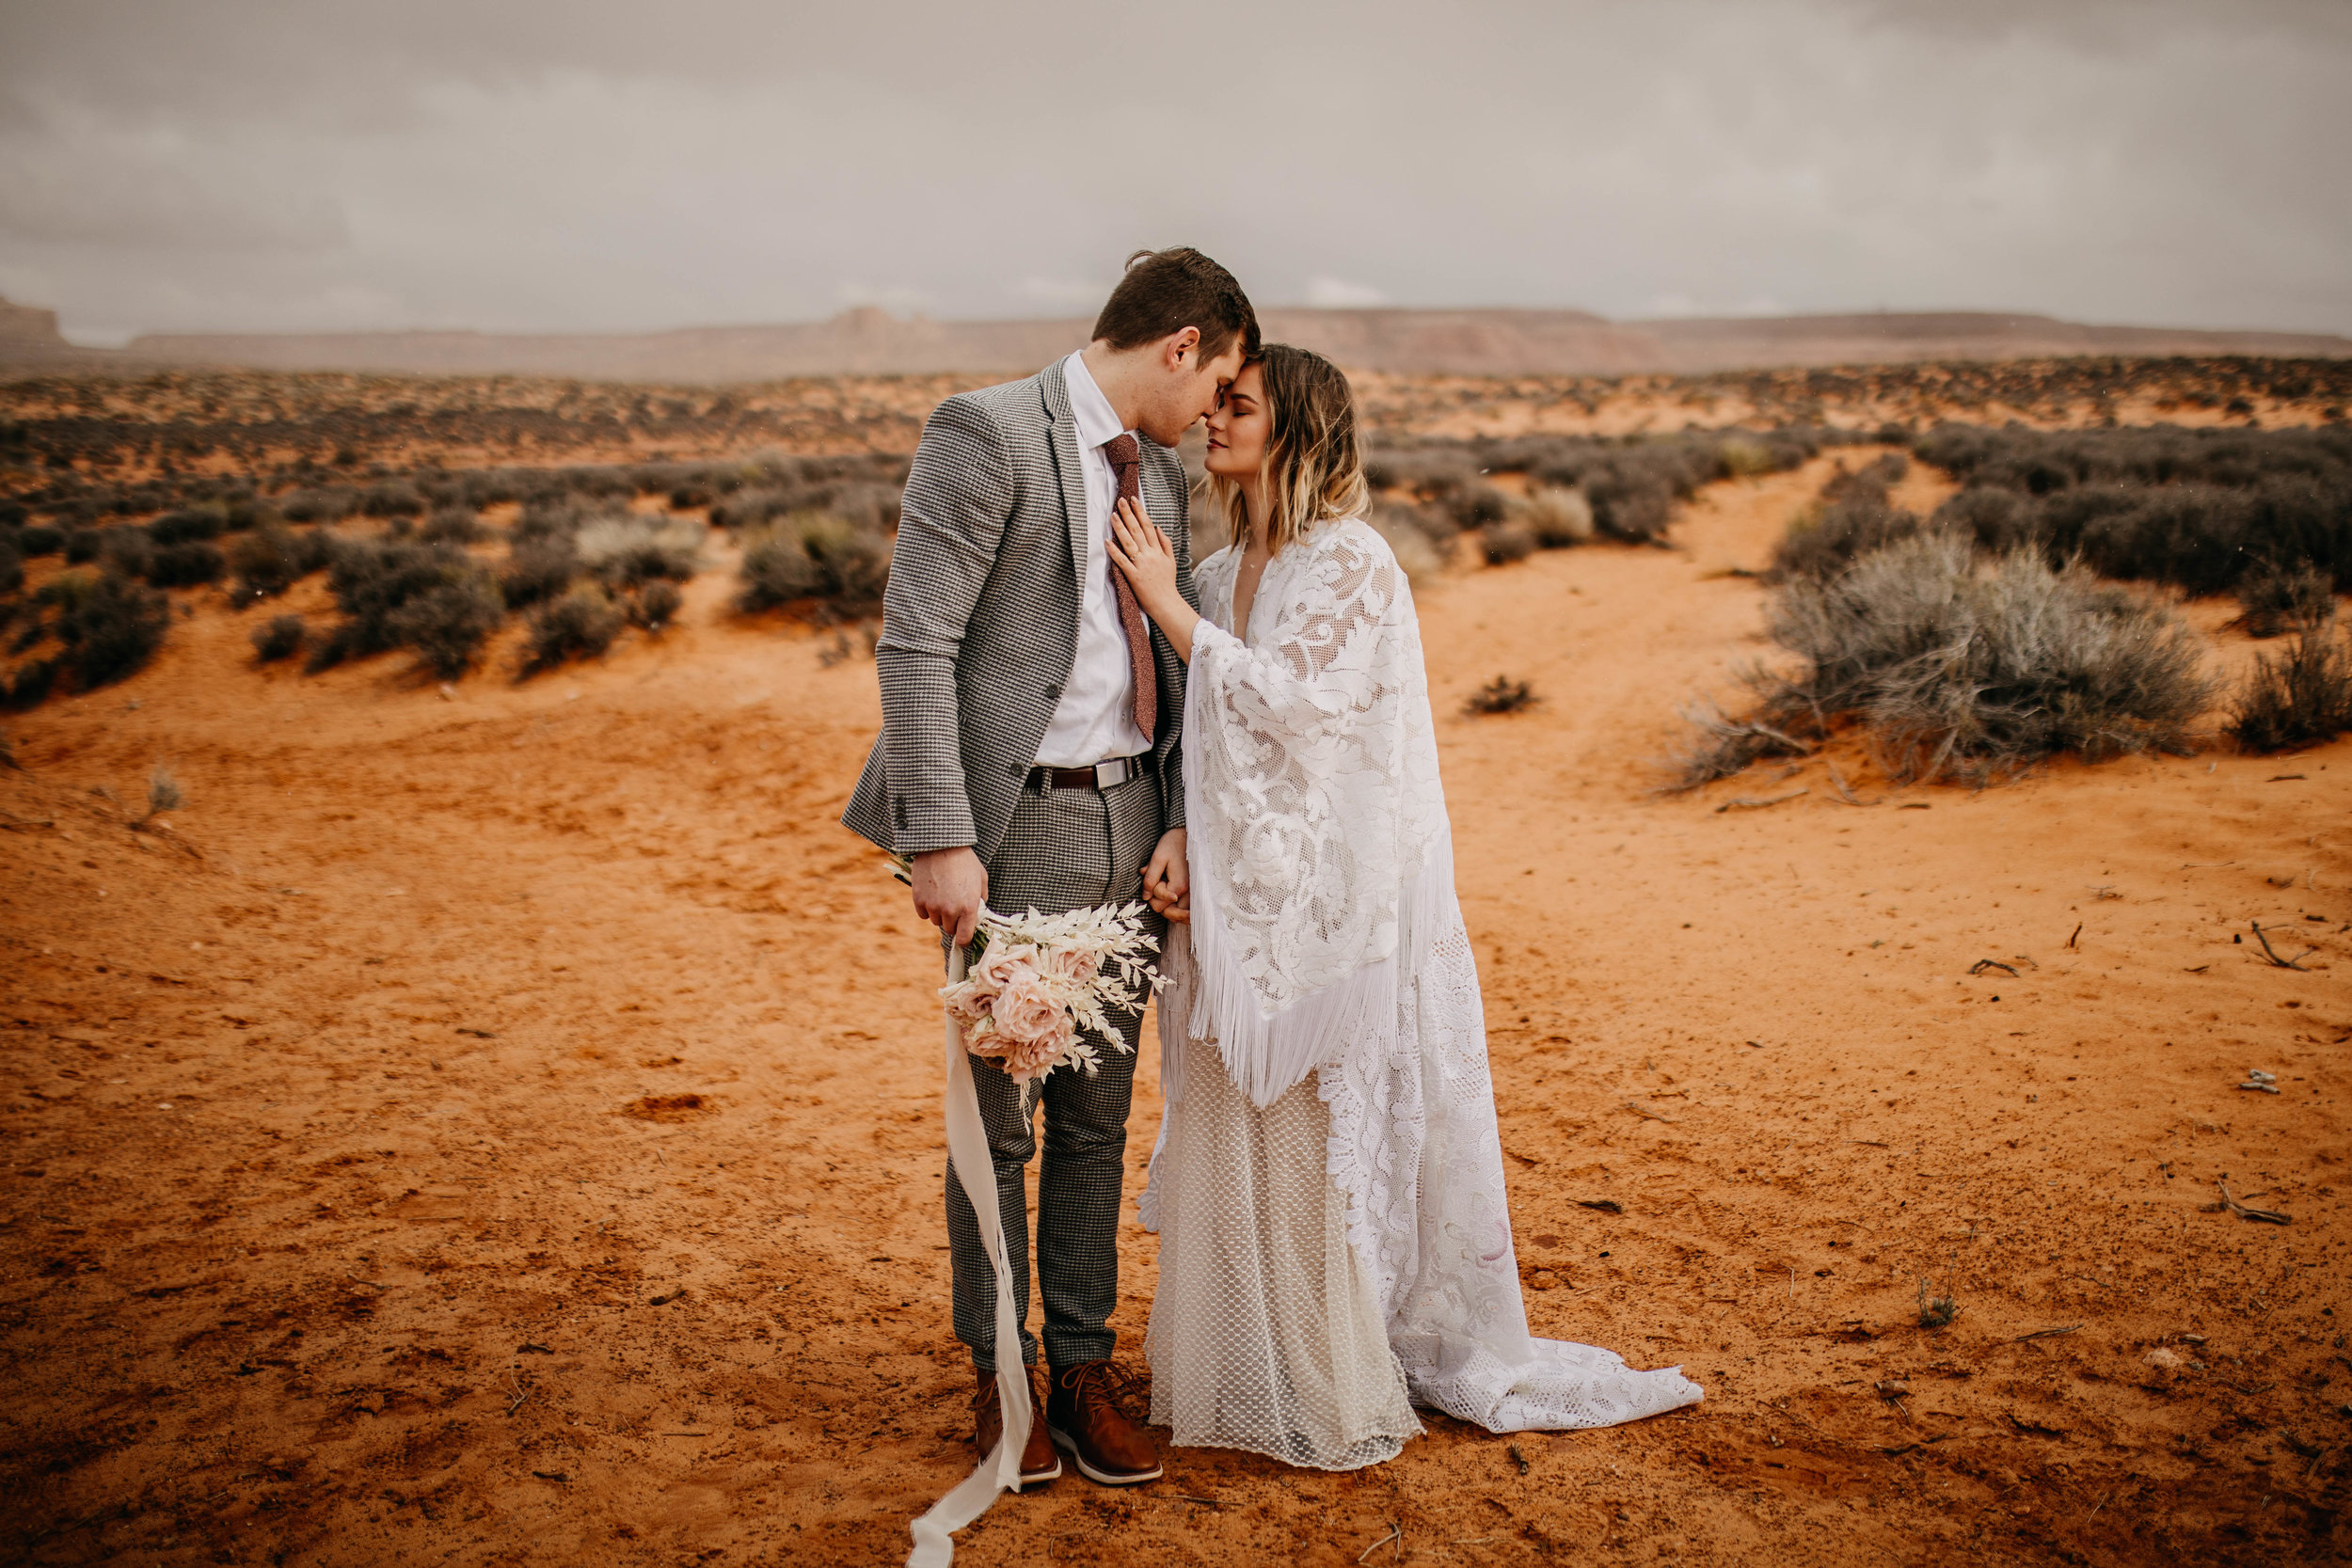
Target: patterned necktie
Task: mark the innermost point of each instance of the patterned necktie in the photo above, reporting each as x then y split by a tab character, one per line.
1127	463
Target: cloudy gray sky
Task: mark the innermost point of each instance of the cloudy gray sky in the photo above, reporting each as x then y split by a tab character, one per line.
572	164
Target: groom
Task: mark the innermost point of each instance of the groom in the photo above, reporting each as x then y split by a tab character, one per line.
1028	760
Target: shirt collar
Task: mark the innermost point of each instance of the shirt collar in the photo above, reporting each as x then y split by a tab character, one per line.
1088	405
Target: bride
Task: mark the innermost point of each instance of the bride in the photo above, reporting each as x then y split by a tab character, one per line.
1335	1238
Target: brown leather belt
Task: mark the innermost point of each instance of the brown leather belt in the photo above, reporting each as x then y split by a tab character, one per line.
1103	775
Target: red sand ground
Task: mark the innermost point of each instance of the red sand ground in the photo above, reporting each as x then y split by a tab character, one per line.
503	1126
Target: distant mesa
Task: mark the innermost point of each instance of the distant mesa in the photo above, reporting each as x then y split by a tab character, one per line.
29	333
870	341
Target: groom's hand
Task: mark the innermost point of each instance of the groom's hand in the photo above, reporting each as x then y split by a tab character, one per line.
950	886
1167	883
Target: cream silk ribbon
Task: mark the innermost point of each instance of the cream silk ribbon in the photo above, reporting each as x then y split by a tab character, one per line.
967	1151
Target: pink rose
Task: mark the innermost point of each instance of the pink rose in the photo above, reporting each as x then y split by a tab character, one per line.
1067	967
1029	1030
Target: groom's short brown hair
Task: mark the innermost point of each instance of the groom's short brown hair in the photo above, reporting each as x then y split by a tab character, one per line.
1166	291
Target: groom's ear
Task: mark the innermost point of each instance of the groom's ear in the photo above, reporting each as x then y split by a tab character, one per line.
1180	350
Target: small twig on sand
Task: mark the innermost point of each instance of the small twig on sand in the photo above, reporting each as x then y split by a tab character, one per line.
1754	802
2270	954
2078	931
2267	1216
1396	1533
1188	1497
1983	964
2044	1333
1642	1111
1838	781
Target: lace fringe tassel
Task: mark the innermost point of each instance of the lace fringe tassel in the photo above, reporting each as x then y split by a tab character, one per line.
1266	1056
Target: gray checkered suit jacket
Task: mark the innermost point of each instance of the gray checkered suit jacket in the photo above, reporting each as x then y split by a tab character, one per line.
980	618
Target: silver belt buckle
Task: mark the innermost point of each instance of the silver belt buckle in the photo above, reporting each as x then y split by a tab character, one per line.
1110	774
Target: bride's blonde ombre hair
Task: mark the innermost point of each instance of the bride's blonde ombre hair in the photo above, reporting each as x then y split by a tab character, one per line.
1313	468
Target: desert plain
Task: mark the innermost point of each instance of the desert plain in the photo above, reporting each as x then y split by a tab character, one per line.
498	1121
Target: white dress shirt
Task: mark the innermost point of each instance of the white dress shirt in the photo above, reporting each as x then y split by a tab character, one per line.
1095	719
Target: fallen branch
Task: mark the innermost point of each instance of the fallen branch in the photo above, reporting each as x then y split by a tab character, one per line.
1641	1111
1753	802
1838	781
2267	1216
2270	954
2045	1333
1983	964
1396	1533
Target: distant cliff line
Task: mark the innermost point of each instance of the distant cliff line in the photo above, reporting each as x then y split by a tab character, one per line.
1469	342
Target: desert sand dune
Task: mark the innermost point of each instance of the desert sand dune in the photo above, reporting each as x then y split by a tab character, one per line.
502	1125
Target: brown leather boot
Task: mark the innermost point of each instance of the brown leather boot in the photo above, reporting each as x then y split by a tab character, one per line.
1083	1413
1039	1464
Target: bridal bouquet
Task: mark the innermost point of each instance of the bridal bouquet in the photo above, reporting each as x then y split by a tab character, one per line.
1038	979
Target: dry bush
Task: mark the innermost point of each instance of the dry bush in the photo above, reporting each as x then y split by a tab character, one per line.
580	624
398	592
1853	519
1503	544
1557	515
538	569
1477	505
2276	601
185	565
2201	509
38	539
188	526
2298	700
272	557
1970	668
629	548
815	556
445	625
655	606
110	627
1500	695
453	525
1415	555
279	638
11	566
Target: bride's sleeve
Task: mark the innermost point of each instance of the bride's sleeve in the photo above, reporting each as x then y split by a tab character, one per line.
1320	670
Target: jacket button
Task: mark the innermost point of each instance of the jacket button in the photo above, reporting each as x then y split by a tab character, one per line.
1014	770
1054	691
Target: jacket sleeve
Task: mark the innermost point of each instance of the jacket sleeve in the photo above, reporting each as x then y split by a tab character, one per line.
960	494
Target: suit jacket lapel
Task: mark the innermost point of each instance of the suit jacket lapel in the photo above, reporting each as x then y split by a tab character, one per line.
1055	388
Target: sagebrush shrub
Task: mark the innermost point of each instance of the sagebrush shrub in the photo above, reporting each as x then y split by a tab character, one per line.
1969	667
813	555
109	626
629	548
447	623
278	638
272	558
2298	700
373	583
453	525
38	539
538	569
1558	515
12	567
580	624
1504	543
655	606
185	565
2275	600
193	523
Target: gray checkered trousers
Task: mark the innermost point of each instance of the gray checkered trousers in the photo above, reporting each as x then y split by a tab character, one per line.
979	631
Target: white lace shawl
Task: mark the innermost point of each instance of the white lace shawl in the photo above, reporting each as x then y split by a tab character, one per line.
1326	935
1312	793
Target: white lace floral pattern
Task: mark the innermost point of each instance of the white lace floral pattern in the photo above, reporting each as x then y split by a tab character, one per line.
1327	937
